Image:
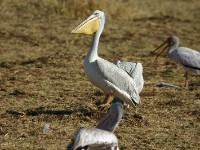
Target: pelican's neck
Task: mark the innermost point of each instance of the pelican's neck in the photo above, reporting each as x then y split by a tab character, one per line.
111	120
93	51
92	54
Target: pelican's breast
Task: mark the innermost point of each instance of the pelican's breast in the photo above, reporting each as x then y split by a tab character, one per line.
95	76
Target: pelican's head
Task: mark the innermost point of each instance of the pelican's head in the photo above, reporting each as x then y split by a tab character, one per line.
171	43
91	24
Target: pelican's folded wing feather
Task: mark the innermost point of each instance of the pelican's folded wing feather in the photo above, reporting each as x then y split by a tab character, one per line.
129	67
135	70
119	78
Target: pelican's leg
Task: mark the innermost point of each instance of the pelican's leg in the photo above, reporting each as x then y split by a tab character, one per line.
136	110
186	80
108	98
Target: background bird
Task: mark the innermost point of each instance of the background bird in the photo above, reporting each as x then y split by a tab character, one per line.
188	58
100	137
112	79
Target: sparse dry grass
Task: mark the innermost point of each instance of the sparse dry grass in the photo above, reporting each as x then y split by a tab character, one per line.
42	79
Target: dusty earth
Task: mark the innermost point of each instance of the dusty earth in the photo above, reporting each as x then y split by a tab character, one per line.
42	81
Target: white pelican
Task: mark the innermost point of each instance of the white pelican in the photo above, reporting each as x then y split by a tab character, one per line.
107	76
100	137
189	59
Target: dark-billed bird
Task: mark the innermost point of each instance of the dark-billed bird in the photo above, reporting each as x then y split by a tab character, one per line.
188	58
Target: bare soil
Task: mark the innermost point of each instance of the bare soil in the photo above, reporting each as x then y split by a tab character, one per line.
42	81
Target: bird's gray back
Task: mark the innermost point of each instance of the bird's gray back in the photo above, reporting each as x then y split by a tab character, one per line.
187	57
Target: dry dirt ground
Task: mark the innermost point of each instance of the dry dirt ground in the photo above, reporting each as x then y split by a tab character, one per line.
42	81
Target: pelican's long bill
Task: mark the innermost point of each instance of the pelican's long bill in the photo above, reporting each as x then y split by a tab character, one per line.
166	42
89	26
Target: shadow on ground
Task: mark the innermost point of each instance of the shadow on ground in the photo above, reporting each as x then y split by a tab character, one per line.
46	111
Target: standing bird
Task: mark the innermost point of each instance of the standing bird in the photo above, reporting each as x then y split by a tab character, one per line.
189	59
100	137
112	79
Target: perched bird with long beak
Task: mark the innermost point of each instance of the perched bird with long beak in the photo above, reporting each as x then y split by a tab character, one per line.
113	80
188	58
101	136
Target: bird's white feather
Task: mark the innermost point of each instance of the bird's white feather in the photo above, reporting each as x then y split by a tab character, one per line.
91	136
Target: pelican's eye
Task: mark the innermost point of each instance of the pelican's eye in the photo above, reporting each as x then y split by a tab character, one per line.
96	14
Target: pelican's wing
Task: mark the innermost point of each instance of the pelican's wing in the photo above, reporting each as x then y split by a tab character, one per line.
129	67
187	57
135	70
120	78
92	138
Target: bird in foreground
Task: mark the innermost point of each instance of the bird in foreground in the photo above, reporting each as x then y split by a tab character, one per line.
100	137
112	79
189	59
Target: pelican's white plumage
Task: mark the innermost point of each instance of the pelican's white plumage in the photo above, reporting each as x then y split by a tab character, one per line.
100	137
95	139
188	58
107	76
